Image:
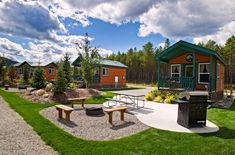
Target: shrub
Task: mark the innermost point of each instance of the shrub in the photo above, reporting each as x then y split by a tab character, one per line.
38	81
60	82
158	99
149	96
169	98
72	85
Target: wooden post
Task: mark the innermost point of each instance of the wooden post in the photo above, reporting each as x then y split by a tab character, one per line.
211	72
60	112
158	71
194	71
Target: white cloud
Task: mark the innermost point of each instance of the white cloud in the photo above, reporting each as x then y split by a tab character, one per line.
221	36
44	51
181	19
29	19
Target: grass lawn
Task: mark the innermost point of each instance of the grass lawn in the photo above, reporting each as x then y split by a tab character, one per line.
151	141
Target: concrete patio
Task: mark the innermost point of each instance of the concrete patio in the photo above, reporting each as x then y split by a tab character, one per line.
164	116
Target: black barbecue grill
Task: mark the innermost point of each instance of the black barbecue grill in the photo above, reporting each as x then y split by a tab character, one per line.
192	109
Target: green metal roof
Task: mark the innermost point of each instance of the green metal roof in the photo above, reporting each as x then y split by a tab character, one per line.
103	62
182	46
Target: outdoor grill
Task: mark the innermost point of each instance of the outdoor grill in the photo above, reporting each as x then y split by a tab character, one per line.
192	109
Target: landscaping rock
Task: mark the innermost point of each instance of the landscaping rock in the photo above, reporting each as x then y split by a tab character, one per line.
49	87
40	92
46	95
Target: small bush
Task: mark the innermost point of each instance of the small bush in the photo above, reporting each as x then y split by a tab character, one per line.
158	99
72	85
149	96
169	98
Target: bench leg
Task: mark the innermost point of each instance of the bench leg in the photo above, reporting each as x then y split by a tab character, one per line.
83	104
122	114
60	113
67	116
110	117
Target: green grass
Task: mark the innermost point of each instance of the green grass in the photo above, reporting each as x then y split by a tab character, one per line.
151	141
100	99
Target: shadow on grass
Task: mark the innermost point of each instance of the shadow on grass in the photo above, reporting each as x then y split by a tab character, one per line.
224	133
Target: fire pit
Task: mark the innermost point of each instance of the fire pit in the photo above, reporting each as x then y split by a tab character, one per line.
94	111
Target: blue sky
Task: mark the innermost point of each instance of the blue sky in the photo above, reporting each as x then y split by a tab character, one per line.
45	30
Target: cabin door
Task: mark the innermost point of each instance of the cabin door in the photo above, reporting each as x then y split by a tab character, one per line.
188	71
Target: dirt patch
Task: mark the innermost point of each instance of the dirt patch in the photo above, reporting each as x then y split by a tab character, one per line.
50	97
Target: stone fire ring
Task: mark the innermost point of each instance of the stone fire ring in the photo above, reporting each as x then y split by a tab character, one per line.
94	111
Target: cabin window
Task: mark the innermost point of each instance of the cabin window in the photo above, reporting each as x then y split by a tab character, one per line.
105	71
124	77
203	73
50	70
175	72
218	70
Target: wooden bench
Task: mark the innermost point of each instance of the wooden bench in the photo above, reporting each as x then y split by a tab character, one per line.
121	109
67	110
73	100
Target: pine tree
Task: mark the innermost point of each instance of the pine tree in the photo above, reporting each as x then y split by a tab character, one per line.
67	69
38	79
60	83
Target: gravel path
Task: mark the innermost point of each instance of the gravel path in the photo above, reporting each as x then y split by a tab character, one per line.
96	128
17	137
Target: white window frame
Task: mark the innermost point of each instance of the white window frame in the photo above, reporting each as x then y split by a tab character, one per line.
218	72
179	69
51	69
204	63
107	71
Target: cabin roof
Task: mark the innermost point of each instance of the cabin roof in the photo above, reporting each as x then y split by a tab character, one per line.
183	46
103	62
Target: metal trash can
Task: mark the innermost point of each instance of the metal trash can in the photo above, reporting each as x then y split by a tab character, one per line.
192	109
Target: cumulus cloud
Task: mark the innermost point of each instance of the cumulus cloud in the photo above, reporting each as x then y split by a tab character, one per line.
181	19
28	19
44	51
221	36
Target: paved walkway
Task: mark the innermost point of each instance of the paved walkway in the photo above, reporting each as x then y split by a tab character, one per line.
17	137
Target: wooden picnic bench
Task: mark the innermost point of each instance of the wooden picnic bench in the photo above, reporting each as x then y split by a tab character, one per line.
67	110
121	109
73	100
115	100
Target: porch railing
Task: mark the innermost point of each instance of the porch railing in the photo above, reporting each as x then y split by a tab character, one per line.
175	82
187	83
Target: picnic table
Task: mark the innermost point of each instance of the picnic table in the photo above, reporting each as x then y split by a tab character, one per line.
133	97
6	86
78	99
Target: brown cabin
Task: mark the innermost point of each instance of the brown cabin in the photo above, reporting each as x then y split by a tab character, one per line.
185	66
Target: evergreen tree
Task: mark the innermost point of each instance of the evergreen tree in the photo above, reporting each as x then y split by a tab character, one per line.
2	69
67	69
167	43
38	79
89	60
60	82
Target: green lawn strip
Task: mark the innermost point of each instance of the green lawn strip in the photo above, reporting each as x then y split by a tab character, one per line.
151	141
